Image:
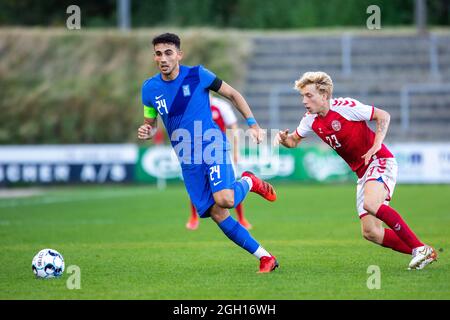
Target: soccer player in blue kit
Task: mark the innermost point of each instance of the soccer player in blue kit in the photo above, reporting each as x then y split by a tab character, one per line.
180	95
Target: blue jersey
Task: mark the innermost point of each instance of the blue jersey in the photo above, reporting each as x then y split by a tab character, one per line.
184	107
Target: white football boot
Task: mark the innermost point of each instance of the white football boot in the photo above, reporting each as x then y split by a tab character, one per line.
422	256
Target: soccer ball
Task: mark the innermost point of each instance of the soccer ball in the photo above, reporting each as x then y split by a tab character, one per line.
48	263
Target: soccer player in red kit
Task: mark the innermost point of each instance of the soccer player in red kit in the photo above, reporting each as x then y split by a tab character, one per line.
341	123
224	117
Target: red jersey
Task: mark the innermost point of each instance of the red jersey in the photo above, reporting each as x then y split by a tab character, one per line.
217	117
222	113
344	128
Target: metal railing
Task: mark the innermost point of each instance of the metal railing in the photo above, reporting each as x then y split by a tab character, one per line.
348	39
405	101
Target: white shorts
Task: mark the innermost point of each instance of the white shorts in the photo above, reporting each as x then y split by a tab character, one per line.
383	170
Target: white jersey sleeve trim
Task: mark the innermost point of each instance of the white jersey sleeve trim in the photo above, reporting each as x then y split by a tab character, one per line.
352	109
226	110
304	129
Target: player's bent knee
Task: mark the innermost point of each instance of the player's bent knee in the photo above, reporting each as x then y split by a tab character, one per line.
225	203
218	214
371	234
224	200
371	207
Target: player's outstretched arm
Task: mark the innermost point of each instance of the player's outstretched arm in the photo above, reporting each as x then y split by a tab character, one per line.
148	129
382	119
288	140
236	98
239	102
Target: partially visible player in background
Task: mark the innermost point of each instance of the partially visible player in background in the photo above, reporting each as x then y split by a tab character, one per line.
224	117
341	123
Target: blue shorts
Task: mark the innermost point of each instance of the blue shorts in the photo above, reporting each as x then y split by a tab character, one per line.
202	180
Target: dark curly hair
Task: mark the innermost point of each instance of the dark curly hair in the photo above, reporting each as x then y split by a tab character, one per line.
167	38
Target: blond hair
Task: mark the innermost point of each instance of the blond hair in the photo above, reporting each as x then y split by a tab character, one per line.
323	82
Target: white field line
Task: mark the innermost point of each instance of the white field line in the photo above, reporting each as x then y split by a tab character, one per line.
51	199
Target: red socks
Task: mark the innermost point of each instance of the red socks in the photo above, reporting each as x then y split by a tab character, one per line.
396	223
240	211
193	212
391	240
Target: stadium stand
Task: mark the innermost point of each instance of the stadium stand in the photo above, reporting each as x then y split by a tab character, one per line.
407	75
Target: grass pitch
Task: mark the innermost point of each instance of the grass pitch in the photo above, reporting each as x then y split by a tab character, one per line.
130	243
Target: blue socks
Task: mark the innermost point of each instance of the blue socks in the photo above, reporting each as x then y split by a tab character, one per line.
238	234
241	188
